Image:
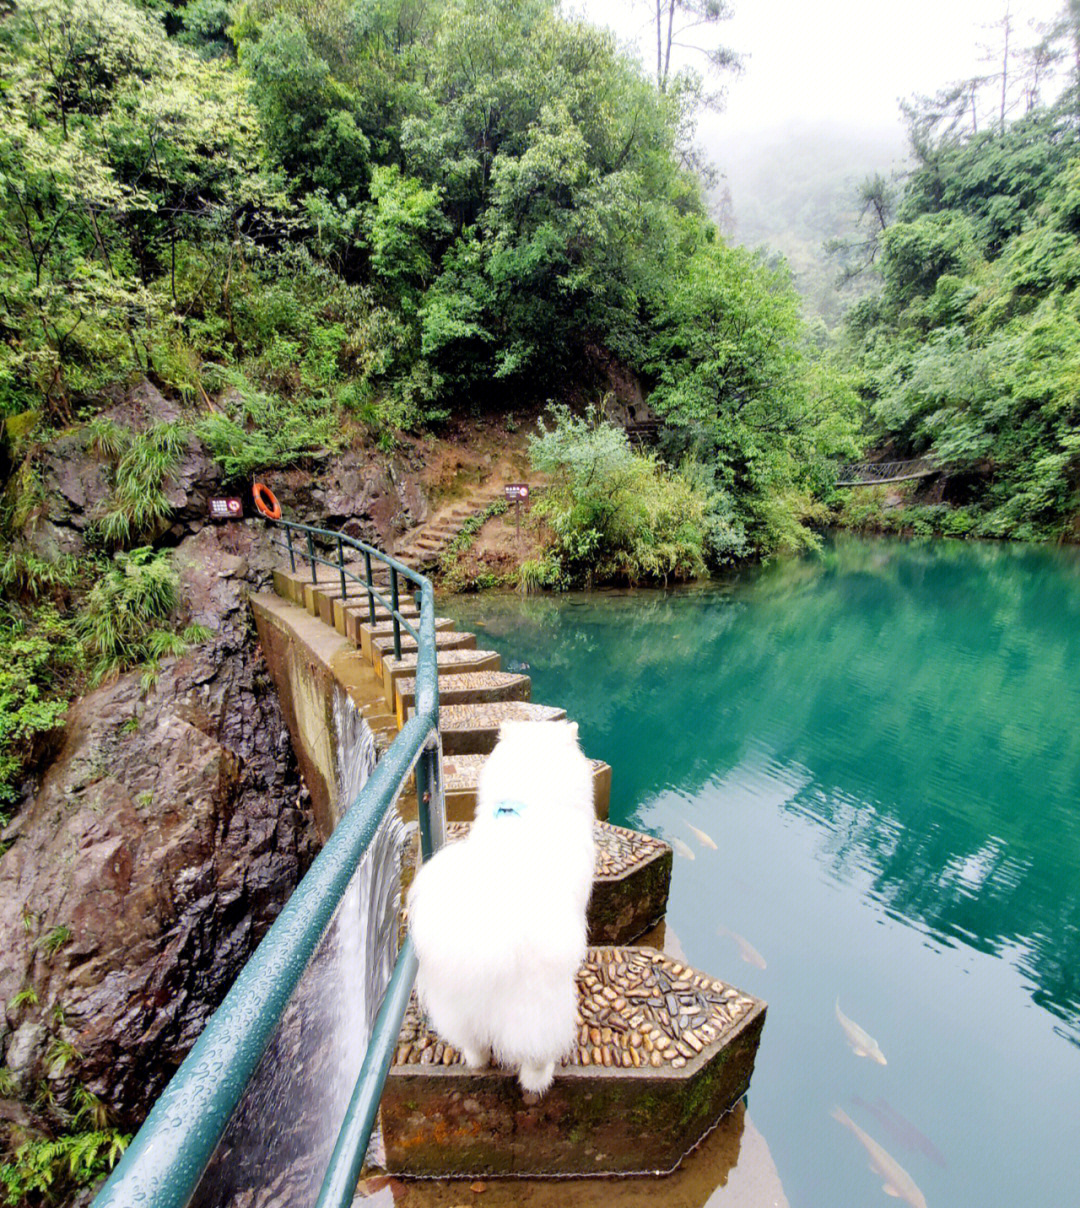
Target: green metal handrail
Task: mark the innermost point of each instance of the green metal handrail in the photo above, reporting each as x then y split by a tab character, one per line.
164	1163
338	563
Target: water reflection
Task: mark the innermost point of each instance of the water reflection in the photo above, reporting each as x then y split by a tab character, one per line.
882	742
732	1167
917	701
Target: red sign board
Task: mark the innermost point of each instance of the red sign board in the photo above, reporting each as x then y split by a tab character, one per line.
226	509
516	491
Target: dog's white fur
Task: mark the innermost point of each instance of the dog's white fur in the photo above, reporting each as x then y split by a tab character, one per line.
498	919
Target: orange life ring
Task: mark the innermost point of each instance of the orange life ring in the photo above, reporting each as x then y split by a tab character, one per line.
265	501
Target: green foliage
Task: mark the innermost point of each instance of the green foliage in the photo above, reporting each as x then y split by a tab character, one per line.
54	940
384	212
309	120
972	352
26	997
120	619
60	1055
137	506
615	514
33	661
259	430
742	397
52	1168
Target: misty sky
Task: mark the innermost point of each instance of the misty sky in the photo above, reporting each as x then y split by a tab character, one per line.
846	61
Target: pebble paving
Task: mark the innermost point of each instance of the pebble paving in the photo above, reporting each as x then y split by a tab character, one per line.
489	715
637	1009
479	682
386	628
618	850
444	640
460	771
447	658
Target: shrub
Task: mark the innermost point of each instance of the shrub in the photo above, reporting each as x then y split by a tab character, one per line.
257	430
616	514
33	662
120	621
137	506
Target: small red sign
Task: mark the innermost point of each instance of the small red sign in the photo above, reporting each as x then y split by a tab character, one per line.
516	491
226	509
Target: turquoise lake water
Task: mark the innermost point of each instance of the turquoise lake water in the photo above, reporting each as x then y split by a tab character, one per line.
883	741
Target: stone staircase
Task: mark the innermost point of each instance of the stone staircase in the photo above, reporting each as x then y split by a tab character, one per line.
663	1050
422	547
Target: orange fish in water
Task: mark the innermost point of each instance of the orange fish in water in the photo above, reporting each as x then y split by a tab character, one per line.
746	950
898	1182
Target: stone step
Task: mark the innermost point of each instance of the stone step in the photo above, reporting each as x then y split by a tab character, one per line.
445	639
448	662
662	1053
349	617
320	598
630	885
385	628
474	729
472	688
459	784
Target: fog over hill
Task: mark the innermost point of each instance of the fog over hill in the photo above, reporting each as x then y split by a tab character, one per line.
792	188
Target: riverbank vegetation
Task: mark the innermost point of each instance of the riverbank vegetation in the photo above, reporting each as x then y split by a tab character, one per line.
312	226
970	351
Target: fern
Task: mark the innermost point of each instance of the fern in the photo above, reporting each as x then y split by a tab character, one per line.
51	1167
118	621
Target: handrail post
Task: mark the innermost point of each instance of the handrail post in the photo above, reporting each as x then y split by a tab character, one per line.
397	619
370	593
311	557
292	555
341	569
430	797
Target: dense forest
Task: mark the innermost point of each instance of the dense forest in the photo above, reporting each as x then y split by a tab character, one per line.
314	224
970	350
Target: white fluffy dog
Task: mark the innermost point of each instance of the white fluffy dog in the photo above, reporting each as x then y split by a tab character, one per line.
498	919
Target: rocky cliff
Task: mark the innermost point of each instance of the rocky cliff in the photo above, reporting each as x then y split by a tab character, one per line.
171	827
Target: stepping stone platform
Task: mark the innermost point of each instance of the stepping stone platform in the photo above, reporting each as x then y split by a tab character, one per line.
459	783
661	1053
445	639
350	617
630	884
474	729
474	687
383	629
448	662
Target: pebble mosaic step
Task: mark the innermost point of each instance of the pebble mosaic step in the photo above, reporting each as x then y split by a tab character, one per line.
385	629
474	729
662	1053
477	687
445	639
448	662
459	784
630	885
348	617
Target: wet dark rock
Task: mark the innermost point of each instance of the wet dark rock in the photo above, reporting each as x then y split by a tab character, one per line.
164	840
362	495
